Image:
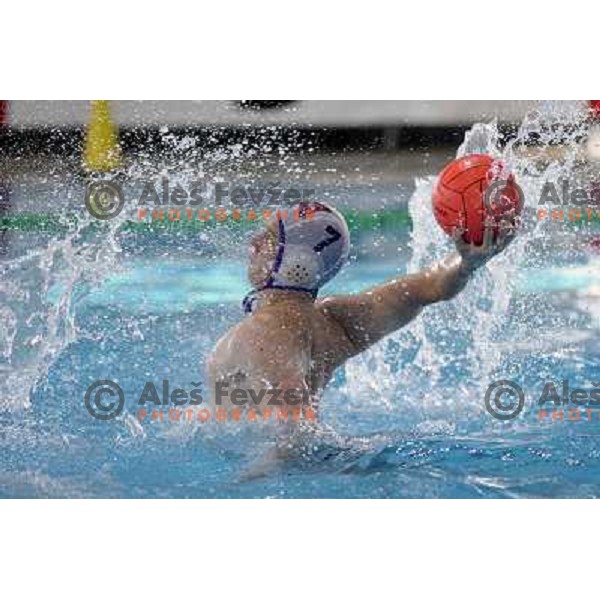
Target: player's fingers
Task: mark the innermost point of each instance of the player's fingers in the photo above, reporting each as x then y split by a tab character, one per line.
459	242
458	233
488	235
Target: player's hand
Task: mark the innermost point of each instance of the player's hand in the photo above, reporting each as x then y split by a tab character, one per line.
474	256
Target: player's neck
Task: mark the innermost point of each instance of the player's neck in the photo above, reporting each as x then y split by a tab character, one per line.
271	296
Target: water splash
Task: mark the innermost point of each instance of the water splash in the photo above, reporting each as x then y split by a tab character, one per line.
460	347
40	291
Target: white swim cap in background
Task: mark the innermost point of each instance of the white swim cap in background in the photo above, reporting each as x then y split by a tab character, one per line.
312	246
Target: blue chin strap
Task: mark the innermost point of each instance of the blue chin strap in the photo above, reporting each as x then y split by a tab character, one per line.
249	301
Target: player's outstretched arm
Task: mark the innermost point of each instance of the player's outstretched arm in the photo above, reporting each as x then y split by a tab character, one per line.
369	316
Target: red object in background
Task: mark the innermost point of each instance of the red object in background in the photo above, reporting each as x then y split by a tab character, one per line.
595	244
3	112
459	196
595	107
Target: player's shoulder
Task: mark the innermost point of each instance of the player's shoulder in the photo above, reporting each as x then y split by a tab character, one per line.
338	314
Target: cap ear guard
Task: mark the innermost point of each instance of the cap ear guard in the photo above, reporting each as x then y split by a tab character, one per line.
300	267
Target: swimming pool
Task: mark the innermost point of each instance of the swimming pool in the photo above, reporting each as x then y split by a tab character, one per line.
134	304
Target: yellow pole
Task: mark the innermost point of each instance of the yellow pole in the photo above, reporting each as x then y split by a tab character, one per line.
102	151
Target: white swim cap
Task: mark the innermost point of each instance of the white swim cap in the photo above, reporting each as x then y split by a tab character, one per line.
312	246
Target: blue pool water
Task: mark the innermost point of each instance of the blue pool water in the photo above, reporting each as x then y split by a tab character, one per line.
406	419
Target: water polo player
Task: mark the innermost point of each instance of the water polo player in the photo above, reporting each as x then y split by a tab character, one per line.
294	340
